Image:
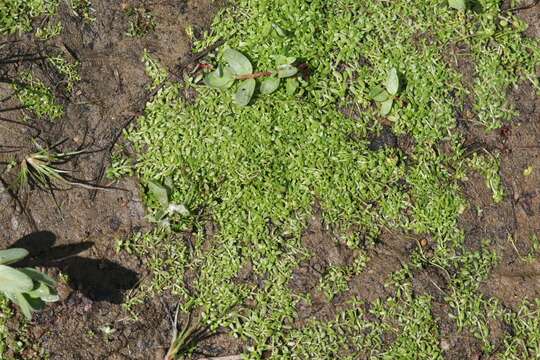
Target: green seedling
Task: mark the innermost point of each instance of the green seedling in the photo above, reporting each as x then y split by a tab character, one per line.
37	97
386	95
238	67
70	71
27	287
41	170
185	338
161	193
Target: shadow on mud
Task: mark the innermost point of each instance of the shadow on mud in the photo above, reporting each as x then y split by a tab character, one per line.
98	279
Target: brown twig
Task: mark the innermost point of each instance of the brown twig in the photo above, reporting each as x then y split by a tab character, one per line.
255	75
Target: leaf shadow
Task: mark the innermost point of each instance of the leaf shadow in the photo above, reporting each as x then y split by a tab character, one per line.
97	279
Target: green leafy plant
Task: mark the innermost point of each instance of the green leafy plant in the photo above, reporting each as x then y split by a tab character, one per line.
38	97
41	170
16	15
161	193
27	287
49	30
70	71
238	67
386	95
186	337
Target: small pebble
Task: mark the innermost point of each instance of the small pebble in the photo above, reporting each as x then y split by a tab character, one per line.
445	345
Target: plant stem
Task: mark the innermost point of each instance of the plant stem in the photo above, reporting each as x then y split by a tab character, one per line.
255	75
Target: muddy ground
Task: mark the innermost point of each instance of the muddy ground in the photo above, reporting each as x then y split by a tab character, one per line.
79	240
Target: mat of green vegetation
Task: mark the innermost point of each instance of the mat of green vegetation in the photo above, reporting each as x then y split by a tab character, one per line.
256	172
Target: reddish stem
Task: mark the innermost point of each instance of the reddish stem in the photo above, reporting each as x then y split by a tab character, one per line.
255	75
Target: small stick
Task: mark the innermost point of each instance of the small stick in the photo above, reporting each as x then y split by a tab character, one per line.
255	75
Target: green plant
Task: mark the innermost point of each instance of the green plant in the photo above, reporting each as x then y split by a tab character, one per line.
489	166
386	95
50	30
70	71
185	338
36	96
334	281
239	68
27	287
156	72
40	169
256	172
17	15
161	193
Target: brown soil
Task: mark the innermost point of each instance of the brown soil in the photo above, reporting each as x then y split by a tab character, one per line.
80	240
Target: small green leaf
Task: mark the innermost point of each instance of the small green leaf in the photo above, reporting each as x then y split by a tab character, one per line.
245	92
10	256
392	83
386	106
239	64
379	94
214	80
291	86
160	193
266	29
269	85
12	280
284	60
285	71
279	30
458	4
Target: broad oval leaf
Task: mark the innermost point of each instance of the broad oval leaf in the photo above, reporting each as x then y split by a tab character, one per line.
386	107
245	92
239	64
19	299
458	4
38	276
269	85
285	71
379	94
41	291
217	81
392	83
14	281
160	193
9	256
